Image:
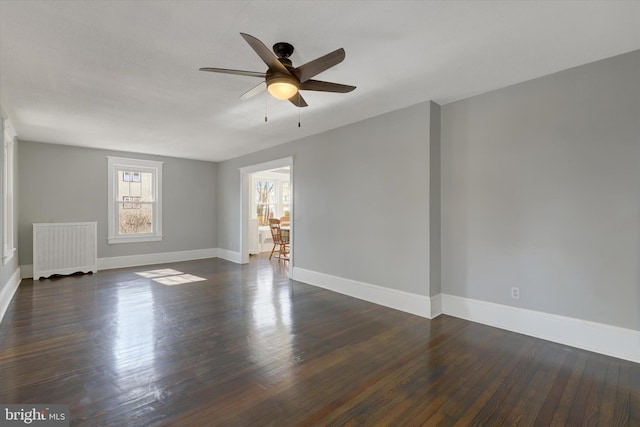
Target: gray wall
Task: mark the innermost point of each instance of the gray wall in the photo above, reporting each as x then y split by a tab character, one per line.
361	196
59	183
541	190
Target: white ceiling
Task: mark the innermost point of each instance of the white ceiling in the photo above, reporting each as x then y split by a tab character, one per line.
124	75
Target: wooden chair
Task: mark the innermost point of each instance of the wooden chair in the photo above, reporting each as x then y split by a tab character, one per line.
285	221
276	235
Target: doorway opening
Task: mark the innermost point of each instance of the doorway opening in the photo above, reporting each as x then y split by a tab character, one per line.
266	193
271	200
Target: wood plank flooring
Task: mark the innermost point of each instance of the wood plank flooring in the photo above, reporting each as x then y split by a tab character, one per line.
245	346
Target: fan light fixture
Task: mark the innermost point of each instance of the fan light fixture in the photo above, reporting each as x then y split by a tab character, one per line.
282	88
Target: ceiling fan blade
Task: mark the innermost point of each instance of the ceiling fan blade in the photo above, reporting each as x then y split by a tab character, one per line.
298	100
321	86
312	68
265	54
260	87
238	72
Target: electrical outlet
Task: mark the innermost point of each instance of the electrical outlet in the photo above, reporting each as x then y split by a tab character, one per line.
515	293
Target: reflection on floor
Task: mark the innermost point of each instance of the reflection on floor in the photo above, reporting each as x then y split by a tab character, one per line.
244	345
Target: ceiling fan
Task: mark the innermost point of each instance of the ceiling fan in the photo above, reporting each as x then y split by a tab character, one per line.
282	79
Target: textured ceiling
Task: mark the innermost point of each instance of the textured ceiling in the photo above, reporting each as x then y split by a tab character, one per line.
124	75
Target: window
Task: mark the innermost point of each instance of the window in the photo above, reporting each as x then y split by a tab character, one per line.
135	193
8	249
284	198
271	198
265	200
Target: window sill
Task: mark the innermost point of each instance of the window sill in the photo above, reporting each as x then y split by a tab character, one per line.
135	239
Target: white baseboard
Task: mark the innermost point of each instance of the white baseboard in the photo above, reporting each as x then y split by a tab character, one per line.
597	337
26	271
230	255
143	259
158	258
419	305
8	291
436	306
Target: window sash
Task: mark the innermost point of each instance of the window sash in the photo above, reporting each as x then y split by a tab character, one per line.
117	166
278	195
153	220
119	197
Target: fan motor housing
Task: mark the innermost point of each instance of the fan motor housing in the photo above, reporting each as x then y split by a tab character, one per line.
283	49
275	75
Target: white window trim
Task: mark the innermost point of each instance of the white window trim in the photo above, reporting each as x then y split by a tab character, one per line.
8	249
118	163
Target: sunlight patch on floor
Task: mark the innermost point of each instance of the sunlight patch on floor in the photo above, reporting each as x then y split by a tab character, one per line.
170	277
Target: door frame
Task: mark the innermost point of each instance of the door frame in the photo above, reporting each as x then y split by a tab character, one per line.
245	191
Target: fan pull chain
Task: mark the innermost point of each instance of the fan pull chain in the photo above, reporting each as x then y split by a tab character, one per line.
266	103
298	117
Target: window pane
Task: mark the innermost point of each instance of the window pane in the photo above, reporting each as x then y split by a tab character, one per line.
135	217
264	212
285	193
135	185
265	192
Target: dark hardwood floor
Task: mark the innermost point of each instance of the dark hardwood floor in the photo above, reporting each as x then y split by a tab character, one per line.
246	346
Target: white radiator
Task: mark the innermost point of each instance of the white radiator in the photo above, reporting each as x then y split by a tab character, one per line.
64	248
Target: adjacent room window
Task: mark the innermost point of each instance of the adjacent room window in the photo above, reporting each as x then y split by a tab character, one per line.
271	198
7	194
265	200
284	198
135	200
